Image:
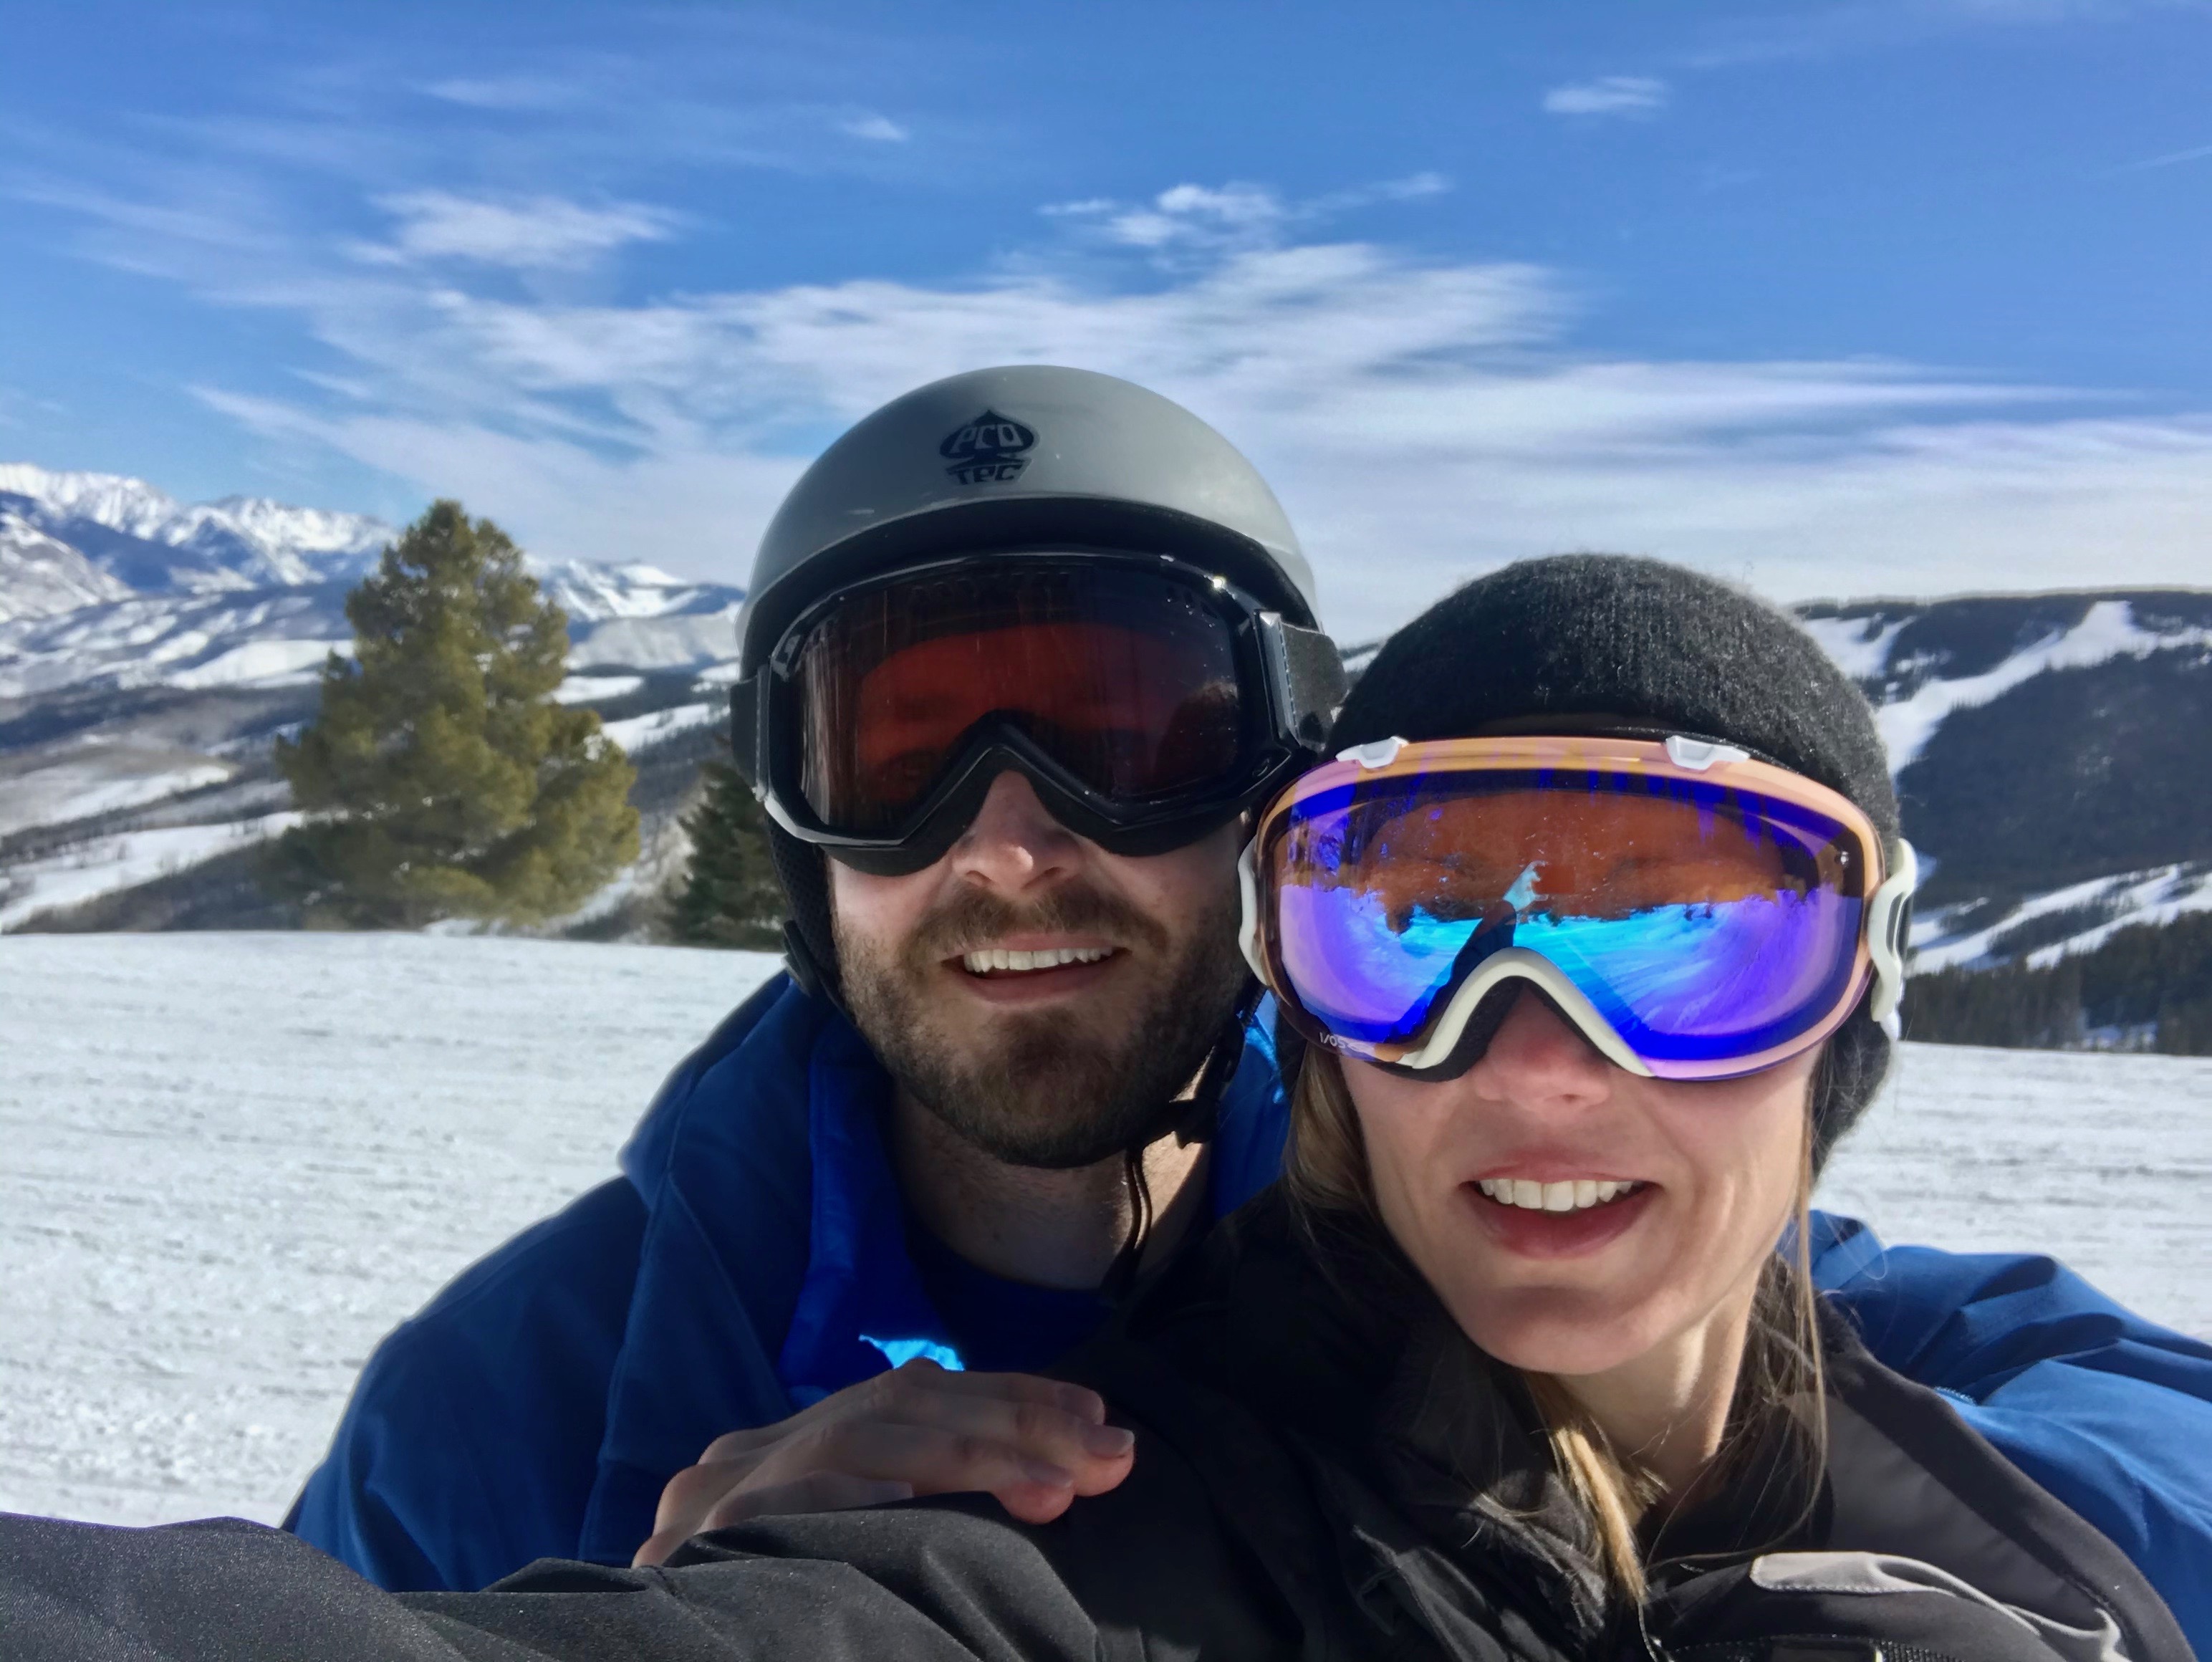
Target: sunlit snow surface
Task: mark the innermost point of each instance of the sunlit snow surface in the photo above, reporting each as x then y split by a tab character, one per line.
228	1163
2101	1159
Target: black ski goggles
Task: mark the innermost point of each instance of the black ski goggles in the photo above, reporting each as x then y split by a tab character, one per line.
1146	700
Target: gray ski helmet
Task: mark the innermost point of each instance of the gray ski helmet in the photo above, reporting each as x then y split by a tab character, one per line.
1027	456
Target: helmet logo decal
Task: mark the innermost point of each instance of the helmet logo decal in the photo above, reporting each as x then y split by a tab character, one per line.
988	450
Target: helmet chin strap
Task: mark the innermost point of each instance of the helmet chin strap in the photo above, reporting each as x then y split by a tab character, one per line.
1192	1119
799	963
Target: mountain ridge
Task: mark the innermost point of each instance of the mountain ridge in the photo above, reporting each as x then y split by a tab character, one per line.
105	581
2053	750
148	539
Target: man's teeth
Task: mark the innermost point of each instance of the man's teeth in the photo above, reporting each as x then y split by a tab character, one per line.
999	959
1570	1197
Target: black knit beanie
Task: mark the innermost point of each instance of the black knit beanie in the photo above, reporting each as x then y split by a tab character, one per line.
1605	642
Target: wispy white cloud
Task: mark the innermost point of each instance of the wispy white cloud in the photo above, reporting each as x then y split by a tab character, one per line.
525	233
507	92
1609	94
1411	188
1218	218
1199	214
1423	418
877	129
2172	159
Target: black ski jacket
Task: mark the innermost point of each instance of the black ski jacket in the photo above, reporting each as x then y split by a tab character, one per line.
1324	1469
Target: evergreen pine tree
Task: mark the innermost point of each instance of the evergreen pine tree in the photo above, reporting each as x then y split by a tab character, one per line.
730	897
439	778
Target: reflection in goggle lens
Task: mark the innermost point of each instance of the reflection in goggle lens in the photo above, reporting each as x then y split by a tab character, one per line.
1701	921
1126	681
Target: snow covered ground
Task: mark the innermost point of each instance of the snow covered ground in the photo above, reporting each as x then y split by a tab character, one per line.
2103	1160
229	1163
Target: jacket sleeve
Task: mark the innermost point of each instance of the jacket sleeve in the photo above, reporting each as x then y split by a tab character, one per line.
469	1445
2110	1413
941	1589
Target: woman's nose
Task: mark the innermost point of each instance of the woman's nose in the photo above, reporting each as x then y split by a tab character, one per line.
1538	1057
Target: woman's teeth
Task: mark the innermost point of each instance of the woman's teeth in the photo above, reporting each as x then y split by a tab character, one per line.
998	960
1572	1197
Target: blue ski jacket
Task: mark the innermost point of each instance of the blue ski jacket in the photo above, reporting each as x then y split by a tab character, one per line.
753	1258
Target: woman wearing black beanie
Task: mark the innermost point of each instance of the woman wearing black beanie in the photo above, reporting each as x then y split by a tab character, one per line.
1591	643
1592	934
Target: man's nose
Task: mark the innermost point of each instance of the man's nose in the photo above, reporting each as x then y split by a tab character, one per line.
1014	843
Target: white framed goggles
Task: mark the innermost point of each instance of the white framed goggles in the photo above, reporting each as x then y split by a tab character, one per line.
1697	912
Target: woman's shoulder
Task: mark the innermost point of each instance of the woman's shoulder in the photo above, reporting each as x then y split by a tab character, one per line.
1914	1499
1271	1359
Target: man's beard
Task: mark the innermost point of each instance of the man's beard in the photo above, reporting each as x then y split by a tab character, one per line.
1045	1090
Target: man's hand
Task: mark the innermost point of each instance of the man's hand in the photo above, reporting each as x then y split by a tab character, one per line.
1036	1444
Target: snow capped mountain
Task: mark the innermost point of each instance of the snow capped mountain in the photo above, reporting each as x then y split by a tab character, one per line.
260	636
1919	660
106	581
278	636
151	542
41	574
585	589
2053	756
151	650
639	617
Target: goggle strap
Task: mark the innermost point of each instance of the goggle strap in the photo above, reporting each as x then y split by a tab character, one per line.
1310	671
1247	897
748	743
1889	929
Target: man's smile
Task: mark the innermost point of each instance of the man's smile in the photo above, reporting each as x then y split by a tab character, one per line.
1028	968
1004	961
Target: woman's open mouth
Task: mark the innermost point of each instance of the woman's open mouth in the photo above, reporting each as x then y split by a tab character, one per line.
1561	1218
1576	1195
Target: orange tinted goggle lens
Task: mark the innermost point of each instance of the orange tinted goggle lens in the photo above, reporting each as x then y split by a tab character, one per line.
1125	681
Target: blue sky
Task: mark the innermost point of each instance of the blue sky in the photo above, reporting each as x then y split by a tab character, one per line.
1883	295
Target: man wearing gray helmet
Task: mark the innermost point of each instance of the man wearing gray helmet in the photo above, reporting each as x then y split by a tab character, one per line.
1018	652
1021	650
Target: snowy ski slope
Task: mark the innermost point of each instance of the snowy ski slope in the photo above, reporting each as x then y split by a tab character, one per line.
229	1163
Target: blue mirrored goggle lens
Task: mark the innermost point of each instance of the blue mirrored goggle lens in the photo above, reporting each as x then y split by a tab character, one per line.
1702	922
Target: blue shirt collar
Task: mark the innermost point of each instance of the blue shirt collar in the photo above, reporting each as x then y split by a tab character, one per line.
861	1308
